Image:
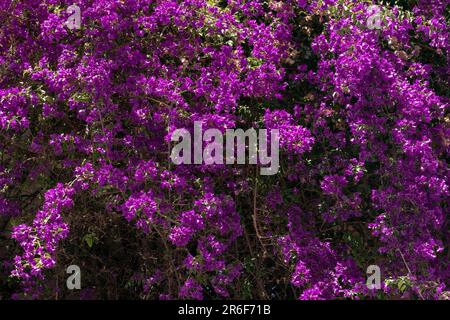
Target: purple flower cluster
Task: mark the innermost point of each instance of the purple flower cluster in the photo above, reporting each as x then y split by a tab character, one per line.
86	117
40	240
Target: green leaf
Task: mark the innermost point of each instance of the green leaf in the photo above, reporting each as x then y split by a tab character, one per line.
90	239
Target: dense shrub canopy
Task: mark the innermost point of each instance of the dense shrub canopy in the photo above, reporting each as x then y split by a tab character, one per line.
86	117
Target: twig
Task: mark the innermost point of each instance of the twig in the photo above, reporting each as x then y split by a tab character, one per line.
409	271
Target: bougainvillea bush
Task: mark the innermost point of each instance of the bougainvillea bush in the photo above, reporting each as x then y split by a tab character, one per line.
358	93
